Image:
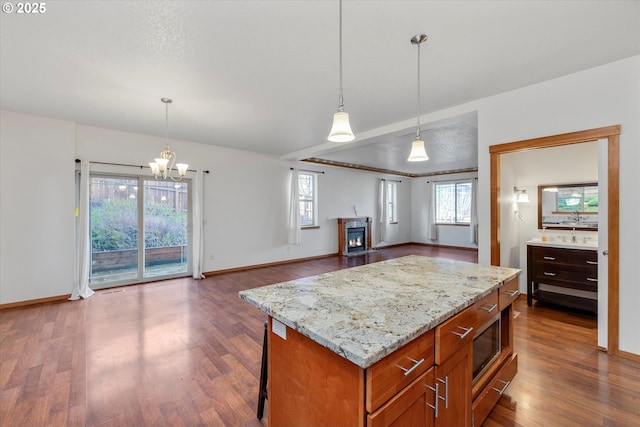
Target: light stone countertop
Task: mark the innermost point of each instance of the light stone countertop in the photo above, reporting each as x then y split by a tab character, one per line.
365	313
590	245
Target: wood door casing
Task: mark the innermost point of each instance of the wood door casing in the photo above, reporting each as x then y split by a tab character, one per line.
611	133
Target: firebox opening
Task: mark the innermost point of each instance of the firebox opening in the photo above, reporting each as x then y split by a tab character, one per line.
356	239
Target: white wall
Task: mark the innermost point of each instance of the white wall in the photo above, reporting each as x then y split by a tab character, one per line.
246	197
448	235
30	226
37	200
602	96
245	207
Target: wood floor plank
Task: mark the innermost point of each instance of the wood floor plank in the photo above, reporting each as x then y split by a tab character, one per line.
186	352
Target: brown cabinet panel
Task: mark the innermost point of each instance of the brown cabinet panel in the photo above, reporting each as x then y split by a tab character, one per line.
487	399
508	293
454	334
454	376
390	375
413	406
562	276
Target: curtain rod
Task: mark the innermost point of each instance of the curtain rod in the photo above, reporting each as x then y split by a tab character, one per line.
454	180
131	166
307	170
390	180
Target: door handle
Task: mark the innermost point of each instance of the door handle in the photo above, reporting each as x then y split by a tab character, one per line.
605	252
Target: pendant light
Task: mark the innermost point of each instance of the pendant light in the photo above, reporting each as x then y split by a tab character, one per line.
162	167
418	152
341	129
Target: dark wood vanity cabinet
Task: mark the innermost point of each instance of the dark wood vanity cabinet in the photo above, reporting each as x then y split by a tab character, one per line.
563	276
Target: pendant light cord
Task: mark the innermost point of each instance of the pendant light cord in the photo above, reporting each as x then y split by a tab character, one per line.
166	123
418	127
340	97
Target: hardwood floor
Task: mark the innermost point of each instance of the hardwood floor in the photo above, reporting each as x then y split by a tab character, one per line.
187	353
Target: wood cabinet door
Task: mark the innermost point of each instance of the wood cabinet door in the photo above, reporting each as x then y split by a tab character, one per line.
454	377
412	407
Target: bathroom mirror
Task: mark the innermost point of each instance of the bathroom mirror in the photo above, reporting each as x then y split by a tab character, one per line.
568	206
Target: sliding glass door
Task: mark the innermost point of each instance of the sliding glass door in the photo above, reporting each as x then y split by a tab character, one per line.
139	230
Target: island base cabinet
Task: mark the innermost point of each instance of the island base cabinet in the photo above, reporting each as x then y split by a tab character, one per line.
412	407
454	377
489	396
310	385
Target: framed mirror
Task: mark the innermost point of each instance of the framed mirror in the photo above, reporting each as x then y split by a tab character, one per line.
568	206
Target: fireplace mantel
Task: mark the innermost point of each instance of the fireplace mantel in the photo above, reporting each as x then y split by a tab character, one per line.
355	222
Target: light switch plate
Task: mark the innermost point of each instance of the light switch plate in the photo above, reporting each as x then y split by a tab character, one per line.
279	328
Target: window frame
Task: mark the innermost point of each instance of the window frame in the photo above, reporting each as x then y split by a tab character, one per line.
392	202
141	275
455	183
305	198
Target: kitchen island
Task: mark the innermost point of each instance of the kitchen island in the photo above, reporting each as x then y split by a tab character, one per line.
355	346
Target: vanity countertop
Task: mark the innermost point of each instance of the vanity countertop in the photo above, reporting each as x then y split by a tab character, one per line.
365	313
589	245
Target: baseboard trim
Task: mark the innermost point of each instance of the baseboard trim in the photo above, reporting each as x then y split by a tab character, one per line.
464	248
268	264
34	301
628	355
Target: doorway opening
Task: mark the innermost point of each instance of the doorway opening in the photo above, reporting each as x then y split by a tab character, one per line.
611	134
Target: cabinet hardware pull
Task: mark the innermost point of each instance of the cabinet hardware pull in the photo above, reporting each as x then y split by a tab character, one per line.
435	399
506	384
549	274
490	308
592	262
416	363
513	293
550	258
466	332
446	391
591	280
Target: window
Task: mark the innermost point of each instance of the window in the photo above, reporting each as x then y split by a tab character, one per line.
581	199
453	203
138	229
308	196
392	205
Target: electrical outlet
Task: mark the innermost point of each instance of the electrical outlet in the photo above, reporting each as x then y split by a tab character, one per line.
279	328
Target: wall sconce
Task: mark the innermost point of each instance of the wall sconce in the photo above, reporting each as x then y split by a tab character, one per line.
521	195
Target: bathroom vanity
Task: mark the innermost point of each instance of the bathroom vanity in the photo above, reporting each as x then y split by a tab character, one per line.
409	341
563	273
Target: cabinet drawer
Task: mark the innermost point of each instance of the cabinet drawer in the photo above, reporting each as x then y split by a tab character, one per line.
391	374
487	399
577	257
485	310
586	279
508	293
454	334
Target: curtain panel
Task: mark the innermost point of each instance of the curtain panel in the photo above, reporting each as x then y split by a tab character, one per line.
81	287
293	226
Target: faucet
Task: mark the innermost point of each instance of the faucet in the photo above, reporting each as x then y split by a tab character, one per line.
576	216
573	235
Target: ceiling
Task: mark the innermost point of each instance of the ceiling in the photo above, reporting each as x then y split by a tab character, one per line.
263	75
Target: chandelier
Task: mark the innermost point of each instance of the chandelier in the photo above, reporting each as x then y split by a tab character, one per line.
418	152
162	167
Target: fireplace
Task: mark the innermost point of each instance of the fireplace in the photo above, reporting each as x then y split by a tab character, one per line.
354	235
